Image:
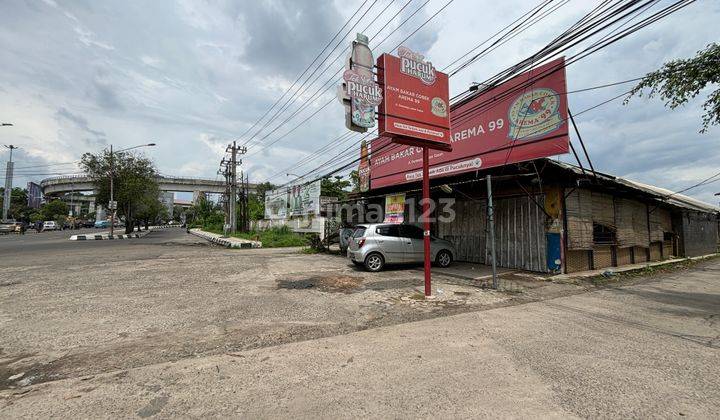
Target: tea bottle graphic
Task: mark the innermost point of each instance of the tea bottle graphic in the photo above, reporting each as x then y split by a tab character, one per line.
361	60
359	116
364	168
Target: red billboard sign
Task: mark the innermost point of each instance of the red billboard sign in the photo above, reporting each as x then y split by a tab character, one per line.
522	119
415	103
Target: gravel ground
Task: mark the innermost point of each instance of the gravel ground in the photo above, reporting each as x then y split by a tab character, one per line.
167	325
92	307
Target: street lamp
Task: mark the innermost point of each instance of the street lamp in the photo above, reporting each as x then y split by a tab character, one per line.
8	183
296	176
112	184
6	125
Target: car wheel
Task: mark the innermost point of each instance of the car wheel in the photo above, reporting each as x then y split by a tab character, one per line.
443	258
374	262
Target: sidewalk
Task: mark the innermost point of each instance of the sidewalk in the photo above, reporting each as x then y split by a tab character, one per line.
226	241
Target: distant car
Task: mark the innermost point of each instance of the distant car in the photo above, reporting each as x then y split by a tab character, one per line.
6	228
374	245
88	224
102	224
50	225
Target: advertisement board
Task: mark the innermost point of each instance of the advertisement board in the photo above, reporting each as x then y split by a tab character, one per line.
34	195
522	119
358	92
416	102
276	203
305	199
394	208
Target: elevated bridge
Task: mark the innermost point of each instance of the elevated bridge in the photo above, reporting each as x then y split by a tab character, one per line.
77	183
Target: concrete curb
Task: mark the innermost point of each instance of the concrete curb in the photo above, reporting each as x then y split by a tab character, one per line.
626	268
226	242
105	236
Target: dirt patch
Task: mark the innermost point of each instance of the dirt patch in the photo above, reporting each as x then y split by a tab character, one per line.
324	283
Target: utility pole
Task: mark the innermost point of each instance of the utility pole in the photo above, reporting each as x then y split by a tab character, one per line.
111	204
8	183
491	227
231	182
233	188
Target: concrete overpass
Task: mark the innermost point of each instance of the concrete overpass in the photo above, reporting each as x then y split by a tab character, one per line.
77	183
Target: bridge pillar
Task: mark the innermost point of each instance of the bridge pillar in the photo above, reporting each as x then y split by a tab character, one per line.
100	213
197	195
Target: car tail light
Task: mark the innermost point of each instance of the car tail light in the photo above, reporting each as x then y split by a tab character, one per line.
360	242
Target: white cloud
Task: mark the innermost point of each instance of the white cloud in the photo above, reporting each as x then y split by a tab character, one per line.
195	75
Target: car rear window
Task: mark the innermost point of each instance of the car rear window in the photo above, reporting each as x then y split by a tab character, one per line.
359	232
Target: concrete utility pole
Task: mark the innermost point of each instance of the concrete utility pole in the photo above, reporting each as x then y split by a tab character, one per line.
231	171
8	181
491	227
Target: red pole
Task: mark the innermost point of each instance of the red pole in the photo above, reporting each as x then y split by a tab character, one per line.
426	217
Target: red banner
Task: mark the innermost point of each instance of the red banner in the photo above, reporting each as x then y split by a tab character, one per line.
522	119
415	99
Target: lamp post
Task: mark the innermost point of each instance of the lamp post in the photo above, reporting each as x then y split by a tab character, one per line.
112	183
8	182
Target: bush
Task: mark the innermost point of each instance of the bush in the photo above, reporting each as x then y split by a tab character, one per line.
276	237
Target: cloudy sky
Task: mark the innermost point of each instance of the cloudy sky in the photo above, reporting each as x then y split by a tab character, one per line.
192	75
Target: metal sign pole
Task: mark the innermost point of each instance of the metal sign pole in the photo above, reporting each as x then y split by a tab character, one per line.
426	217
491	227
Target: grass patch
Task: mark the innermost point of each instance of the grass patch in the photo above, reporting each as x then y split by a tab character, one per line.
276	237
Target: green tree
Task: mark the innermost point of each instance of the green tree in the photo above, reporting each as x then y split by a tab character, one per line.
679	81
178	213
149	208
54	210
355	180
135	180
18	209
334	187
256	202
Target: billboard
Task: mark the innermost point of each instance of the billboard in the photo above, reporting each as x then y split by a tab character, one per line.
415	101
34	195
522	119
295	200
305	199
276	202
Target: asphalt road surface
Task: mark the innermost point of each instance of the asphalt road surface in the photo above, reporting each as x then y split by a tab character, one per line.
168	326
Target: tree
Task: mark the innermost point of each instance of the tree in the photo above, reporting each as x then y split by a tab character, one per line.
149	208
18	209
54	210
178	213
256	202
135	180
681	80
355	179
334	187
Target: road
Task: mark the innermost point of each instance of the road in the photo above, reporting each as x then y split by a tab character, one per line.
170	327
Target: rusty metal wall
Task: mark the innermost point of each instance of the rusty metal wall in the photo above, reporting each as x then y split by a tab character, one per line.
520	233
467	230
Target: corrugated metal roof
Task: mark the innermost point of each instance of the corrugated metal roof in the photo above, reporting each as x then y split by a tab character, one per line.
662	194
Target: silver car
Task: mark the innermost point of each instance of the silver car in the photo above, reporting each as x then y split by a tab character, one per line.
374	245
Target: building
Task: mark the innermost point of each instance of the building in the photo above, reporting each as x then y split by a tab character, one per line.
555	217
